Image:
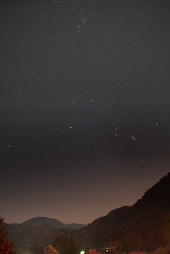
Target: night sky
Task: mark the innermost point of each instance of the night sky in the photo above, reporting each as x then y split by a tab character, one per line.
85	106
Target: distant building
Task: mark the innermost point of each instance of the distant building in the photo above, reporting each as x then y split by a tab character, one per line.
110	249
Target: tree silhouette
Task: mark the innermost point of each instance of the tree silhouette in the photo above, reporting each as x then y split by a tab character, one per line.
6	247
65	245
166	228
50	250
36	249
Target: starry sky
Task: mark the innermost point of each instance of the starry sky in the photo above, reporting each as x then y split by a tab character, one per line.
85	106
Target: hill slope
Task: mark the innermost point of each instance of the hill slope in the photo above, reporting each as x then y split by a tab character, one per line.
137	227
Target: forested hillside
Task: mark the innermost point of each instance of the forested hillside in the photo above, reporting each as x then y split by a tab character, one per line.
139	227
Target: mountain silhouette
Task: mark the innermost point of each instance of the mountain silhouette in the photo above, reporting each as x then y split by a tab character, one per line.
41	221
137	227
140	227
